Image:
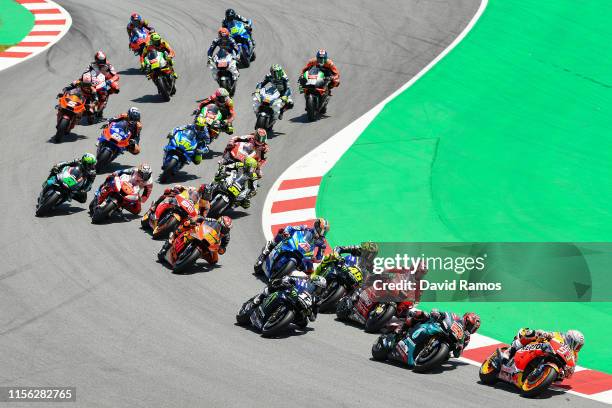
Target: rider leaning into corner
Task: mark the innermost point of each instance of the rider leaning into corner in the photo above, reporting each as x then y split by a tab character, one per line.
132	118
222	224
200	196
87	165
318	231
258	140
222	99
280	80
200	131
248	168
573	338
139	177
84	87
325	64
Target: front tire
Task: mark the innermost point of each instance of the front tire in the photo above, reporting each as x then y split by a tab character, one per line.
330	302
311	107
289	267
435	360
536	386
101	214
165	226
217	207
376	322
168	170
62	130
280	324
47	204
487	373
105	156
187	258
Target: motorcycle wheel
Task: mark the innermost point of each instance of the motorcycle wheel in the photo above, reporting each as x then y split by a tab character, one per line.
244	57
261	123
144	224
378	351
434	359
535	386
330	301
187	258
243	318
278	322
217	207
311	107
168	171
105	156
289	267
165	226
226	84
101	214
488	373
62	129
47	203
377	322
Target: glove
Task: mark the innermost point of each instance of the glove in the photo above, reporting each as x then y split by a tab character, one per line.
284	98
132	142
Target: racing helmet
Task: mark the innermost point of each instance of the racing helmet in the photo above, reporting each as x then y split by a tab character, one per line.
100	58
155	39
350	260
277	71
250	164
205	192
321	227
230	14
223	32
221	96
574	339
144	172
261	136
88	161
86	80
320	283
200	123
133	114
135	18
321	57
226	224
471	322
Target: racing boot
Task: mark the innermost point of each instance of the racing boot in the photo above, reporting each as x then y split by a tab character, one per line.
264	253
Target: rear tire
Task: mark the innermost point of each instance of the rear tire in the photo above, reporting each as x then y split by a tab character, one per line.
62	130
375	323
261	123
187	258
105	156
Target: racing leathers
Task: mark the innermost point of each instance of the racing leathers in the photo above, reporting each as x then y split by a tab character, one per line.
261	149
227	109
202	202
290	282
133	202
225	171
140	24
110	75
134	127
88	92
282	85
89	174
164	47
329	70
318	245
248	24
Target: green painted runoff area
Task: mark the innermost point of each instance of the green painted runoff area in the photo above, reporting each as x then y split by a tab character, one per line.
15	22
506	139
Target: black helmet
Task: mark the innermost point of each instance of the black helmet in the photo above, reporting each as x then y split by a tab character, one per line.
133	114
230	14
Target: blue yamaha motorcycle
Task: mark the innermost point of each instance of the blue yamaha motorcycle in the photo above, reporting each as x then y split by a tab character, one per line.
242	36
293	253
423	347
179	151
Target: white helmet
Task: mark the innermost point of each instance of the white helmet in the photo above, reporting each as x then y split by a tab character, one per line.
574	339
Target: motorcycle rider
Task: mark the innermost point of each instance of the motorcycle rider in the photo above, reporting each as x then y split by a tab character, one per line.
365	253
139	177
280	80
257	139
225	42
289	282
136	21
222	99
573	338
156	43
132	117
222	224
199	196
318	231
230	15
100	64
248	167
87	165
325	64
84	87
200	131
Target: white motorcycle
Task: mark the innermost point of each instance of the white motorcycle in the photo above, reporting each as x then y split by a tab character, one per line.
224	70
267	104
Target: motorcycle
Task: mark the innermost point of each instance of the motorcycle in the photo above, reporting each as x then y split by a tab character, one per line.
363	307
293	253
113	141
242	36
179	151
109	199
70	109
169	214
267	104
214	121
316	92
278	310
98	81
58	189
534	367
228	193
159	70
138	40
190	245
425	346
341	279
220	67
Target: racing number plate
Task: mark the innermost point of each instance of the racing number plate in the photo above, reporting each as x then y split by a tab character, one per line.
234	190
457	330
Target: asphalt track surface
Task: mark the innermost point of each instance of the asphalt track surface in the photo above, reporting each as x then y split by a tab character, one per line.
89	306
